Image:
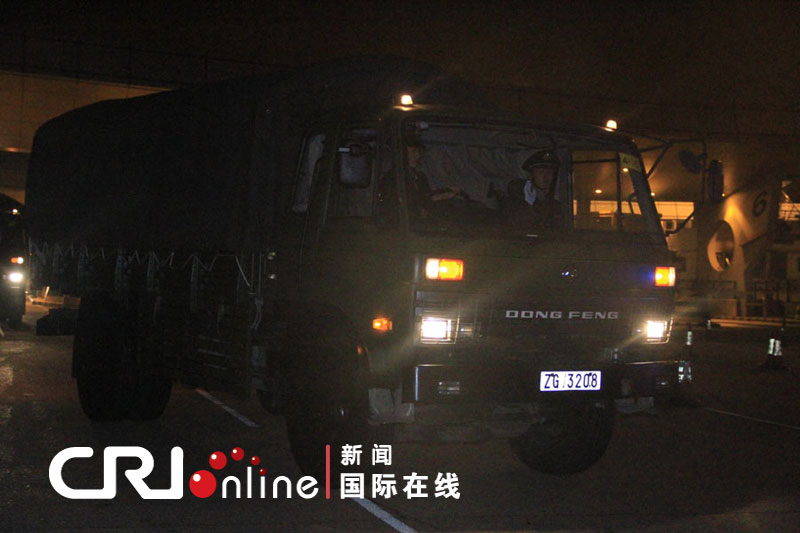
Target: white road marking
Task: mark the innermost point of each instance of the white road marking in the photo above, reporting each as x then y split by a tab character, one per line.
383	515
770	422
230	410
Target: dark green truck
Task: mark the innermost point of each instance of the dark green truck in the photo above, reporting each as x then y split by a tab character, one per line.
374	266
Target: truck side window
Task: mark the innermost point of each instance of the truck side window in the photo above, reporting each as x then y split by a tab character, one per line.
307	170
595	191
603	194
353	188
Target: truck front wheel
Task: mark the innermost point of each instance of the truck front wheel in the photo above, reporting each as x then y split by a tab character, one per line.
570	439
329	411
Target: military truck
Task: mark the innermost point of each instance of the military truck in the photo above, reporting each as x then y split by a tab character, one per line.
13	253
350	241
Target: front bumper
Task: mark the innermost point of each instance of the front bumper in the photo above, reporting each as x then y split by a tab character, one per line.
454	383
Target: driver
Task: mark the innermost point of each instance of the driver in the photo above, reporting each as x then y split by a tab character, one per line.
419	181
532	201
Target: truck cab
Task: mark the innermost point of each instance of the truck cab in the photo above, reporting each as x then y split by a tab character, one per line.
471	308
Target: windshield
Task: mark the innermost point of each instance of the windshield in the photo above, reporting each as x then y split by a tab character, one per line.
519	180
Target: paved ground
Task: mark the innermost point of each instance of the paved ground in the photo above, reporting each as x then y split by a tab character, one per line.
731	463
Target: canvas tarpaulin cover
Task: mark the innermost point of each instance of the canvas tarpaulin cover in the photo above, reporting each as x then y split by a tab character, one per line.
201	168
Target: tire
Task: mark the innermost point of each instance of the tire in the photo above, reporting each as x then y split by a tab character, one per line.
275	396
268	403
96	364
331	412
150	397
572	438
150	389
113	384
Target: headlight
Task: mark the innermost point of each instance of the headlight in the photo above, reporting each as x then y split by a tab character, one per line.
15	277
436	330
656	331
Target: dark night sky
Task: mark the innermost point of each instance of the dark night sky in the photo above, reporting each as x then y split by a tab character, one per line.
745	54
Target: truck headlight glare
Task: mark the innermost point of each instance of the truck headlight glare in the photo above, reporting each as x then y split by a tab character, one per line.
15	277
436	330
655	330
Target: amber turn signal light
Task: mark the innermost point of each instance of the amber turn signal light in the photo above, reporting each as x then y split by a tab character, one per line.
444	269
665	277
382	324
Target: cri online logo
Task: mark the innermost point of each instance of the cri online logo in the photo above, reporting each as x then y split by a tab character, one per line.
202	483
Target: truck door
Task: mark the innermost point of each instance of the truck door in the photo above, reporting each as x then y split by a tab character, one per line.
350	257
310	167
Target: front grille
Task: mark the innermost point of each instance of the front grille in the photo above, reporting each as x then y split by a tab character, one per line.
533	324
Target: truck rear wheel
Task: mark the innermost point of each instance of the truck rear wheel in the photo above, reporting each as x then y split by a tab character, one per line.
572	438
150	396
94	360
107	360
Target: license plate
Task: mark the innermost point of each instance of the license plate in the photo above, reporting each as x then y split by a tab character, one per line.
570	380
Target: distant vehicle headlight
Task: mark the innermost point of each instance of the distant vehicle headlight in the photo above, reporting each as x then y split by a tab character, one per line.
15	277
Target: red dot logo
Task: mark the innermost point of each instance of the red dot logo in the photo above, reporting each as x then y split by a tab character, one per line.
237	454
203	484
217	460
255	460
262	471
